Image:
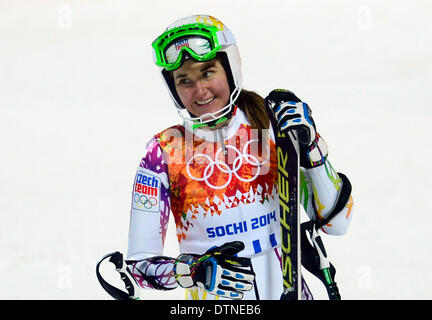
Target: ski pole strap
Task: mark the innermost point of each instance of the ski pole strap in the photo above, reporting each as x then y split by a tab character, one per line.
117	259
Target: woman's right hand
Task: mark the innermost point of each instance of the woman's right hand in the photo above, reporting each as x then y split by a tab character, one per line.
219	271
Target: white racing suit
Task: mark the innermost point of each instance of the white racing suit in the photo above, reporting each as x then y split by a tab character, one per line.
221	186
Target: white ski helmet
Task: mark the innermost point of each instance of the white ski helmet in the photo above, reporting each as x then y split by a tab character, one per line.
201	38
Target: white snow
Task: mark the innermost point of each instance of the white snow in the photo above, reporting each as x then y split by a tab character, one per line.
80	97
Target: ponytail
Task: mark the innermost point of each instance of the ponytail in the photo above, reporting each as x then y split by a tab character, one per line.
252	104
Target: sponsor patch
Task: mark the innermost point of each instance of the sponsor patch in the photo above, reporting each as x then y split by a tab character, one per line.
146	193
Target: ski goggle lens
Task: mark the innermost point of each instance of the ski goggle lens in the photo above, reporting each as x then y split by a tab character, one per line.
194	46
200	42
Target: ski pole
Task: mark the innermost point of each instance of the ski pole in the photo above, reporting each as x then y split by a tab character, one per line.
325	270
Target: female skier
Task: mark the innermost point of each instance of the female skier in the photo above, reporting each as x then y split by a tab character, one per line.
217	174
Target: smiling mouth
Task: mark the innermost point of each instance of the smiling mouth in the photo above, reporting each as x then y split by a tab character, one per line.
204	102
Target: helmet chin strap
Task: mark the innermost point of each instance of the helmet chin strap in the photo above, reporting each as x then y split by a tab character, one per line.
211	124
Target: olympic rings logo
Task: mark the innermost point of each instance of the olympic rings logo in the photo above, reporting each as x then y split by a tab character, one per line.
240	159
144	202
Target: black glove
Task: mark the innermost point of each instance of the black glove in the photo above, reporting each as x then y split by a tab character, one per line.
287	112
290	113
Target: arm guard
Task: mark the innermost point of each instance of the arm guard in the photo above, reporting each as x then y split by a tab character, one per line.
331	203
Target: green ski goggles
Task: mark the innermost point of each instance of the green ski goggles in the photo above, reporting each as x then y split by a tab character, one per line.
201	42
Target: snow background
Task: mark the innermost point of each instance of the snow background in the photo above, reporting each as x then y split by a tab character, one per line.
80	96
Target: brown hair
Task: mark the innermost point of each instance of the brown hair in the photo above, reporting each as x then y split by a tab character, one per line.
252	104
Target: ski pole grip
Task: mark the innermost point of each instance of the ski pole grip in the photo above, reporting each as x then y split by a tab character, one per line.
117	259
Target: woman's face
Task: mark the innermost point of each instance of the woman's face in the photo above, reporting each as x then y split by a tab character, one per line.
202	86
